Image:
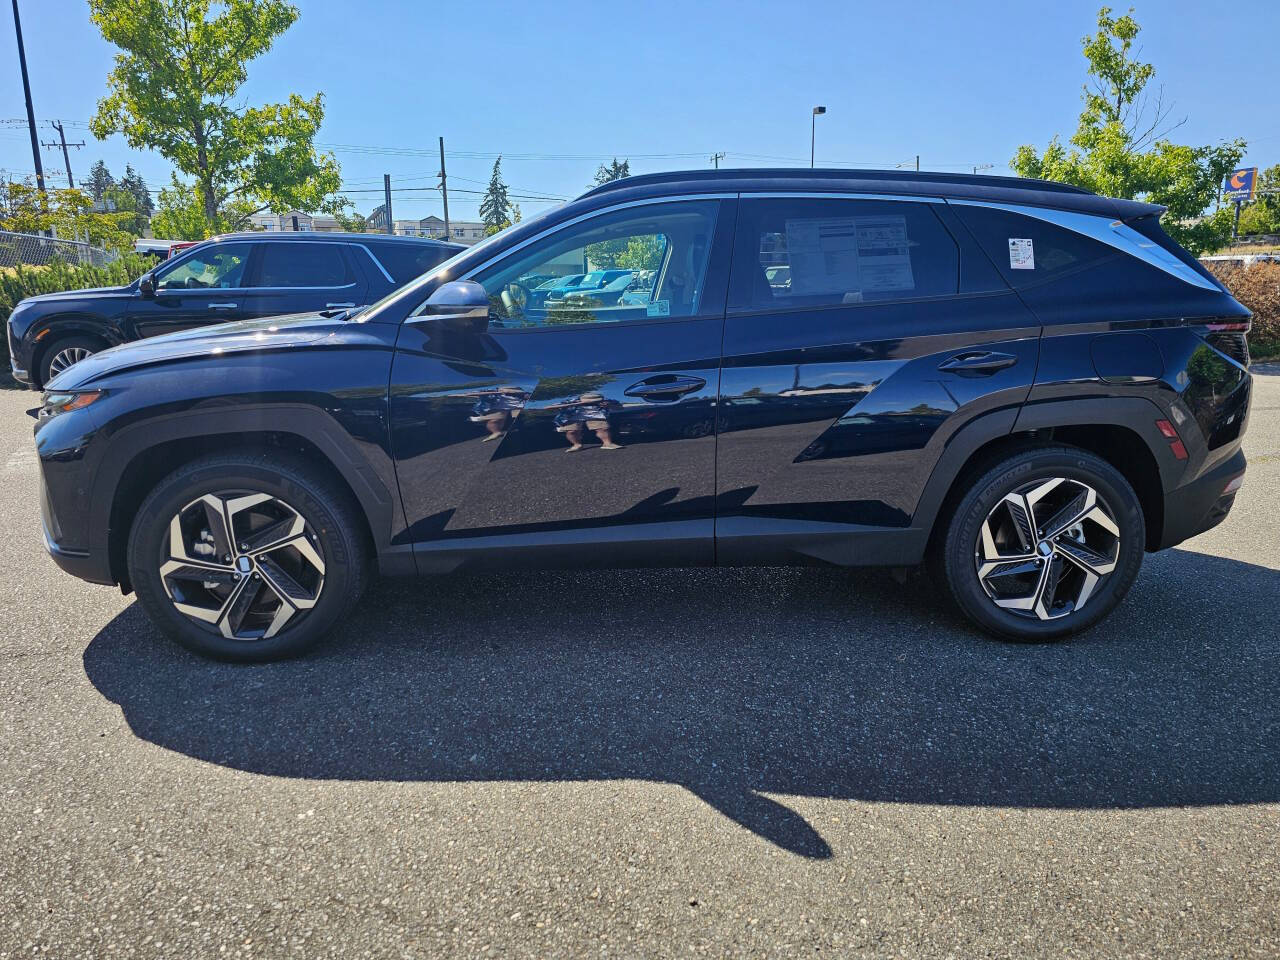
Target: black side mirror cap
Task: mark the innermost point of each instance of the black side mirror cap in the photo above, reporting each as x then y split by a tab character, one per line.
147	285
458	305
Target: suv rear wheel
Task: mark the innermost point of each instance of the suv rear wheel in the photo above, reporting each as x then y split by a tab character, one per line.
247	556
1043	545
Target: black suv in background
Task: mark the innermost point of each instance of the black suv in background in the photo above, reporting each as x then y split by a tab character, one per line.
1021	383
232	277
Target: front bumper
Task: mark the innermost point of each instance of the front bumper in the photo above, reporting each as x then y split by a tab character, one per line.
1201	504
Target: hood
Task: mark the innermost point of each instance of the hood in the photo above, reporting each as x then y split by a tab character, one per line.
245	336
87	294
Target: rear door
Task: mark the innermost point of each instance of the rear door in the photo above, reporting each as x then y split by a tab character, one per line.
205	286
297	276
860	334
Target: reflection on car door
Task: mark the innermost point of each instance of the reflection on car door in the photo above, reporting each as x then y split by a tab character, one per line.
859	334
592	425
205	286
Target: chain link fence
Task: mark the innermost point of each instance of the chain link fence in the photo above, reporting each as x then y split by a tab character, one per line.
34	250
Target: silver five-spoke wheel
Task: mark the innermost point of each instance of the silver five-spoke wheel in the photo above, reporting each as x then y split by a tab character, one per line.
67	357
1045	547
242	563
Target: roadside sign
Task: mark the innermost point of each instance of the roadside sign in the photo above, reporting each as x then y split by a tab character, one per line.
1240	184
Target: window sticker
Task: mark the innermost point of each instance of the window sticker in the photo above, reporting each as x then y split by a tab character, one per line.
849	256
659	308
1022	255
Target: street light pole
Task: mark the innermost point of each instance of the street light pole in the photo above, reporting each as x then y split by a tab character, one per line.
813	120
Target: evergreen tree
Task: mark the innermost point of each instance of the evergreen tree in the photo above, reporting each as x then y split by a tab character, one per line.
99	181
609	172
133	183
495	208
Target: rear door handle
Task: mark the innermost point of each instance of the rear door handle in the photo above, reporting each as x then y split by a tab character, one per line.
222	306
665	388
333	306
977	362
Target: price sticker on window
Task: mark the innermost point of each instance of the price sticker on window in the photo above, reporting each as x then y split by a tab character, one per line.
1022	255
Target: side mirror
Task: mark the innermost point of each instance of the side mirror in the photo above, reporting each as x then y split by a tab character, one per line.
147	285
458	305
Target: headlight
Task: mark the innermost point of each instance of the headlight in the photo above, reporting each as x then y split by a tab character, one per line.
63	401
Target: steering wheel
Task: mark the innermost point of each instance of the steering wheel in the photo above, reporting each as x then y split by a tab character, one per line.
515	298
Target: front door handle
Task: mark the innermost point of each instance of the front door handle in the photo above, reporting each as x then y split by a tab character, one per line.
665	387
334	306
977	362
222	306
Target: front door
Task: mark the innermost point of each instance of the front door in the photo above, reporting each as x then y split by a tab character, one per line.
206	286
573	422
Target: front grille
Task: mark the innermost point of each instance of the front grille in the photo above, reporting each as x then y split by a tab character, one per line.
1234	345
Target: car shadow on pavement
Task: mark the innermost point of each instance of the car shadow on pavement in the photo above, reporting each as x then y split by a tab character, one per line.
737	684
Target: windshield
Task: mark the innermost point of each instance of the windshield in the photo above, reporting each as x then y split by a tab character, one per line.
410	290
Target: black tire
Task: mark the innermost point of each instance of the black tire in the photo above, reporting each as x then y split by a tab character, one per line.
333	528
956	559
56	349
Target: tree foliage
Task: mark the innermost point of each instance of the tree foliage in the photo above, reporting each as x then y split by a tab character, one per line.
1263	215
175	88
614	170
99	181
1121	147
67	213
495	207
351	222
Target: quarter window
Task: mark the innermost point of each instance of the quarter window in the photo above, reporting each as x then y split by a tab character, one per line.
646	261
1027	250
807	252
220	267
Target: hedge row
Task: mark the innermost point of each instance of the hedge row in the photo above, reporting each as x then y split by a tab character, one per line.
20	282
1258	288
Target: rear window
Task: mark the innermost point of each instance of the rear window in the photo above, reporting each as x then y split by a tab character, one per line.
405	261
811	252
1027	250
294	264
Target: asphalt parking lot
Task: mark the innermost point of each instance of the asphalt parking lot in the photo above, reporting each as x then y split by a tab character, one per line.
734	762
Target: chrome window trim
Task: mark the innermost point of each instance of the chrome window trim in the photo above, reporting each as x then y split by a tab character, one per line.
191	290
376	262
1114	233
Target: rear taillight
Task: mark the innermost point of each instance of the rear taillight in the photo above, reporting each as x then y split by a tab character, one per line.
1170	433
1230	339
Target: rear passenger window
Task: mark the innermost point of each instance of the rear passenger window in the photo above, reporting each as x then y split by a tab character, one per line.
405	261
805	252
290	264
1027	250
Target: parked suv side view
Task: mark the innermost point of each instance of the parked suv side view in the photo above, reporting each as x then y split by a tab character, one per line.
231	277
1019	383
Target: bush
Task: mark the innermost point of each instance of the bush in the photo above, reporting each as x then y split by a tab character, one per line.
1258	288
20	282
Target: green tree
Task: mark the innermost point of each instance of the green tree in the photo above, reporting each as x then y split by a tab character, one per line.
175	89
137	187
99	181
69	214
1121	147
180	213
351	222
495	207
1263	214
614	170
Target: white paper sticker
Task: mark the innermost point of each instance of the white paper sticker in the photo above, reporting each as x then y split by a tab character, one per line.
659	308
848	256
1022	255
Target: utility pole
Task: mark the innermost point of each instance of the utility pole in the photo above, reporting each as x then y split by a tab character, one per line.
66	157
444	190
386	191
917	163
26	89
716	158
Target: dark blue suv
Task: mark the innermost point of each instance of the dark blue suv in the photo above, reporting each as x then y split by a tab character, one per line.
1020	383
233	277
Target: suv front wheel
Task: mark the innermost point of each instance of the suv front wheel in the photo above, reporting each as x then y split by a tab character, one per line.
247	556
1043	545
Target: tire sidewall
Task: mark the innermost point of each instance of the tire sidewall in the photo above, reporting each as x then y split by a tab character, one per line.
311	500
987	491
51	351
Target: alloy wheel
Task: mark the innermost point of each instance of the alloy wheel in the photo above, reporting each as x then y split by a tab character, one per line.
1045	548
67	357
241	563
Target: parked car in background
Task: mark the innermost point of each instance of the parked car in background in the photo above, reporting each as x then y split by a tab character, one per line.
231	277
606	295
1022	384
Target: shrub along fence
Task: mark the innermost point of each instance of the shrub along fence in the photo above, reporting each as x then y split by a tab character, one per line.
21	281
1258	288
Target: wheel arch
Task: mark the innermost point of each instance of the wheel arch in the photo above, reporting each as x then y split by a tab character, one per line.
51	330
144	453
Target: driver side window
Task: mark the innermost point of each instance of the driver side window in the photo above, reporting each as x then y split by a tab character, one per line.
646	261
221	267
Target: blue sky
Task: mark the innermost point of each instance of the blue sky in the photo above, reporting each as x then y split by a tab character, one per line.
557	87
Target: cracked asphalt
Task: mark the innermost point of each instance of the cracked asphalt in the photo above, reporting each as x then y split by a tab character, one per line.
650	764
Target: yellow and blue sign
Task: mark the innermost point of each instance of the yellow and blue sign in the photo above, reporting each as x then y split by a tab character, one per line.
1241	184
